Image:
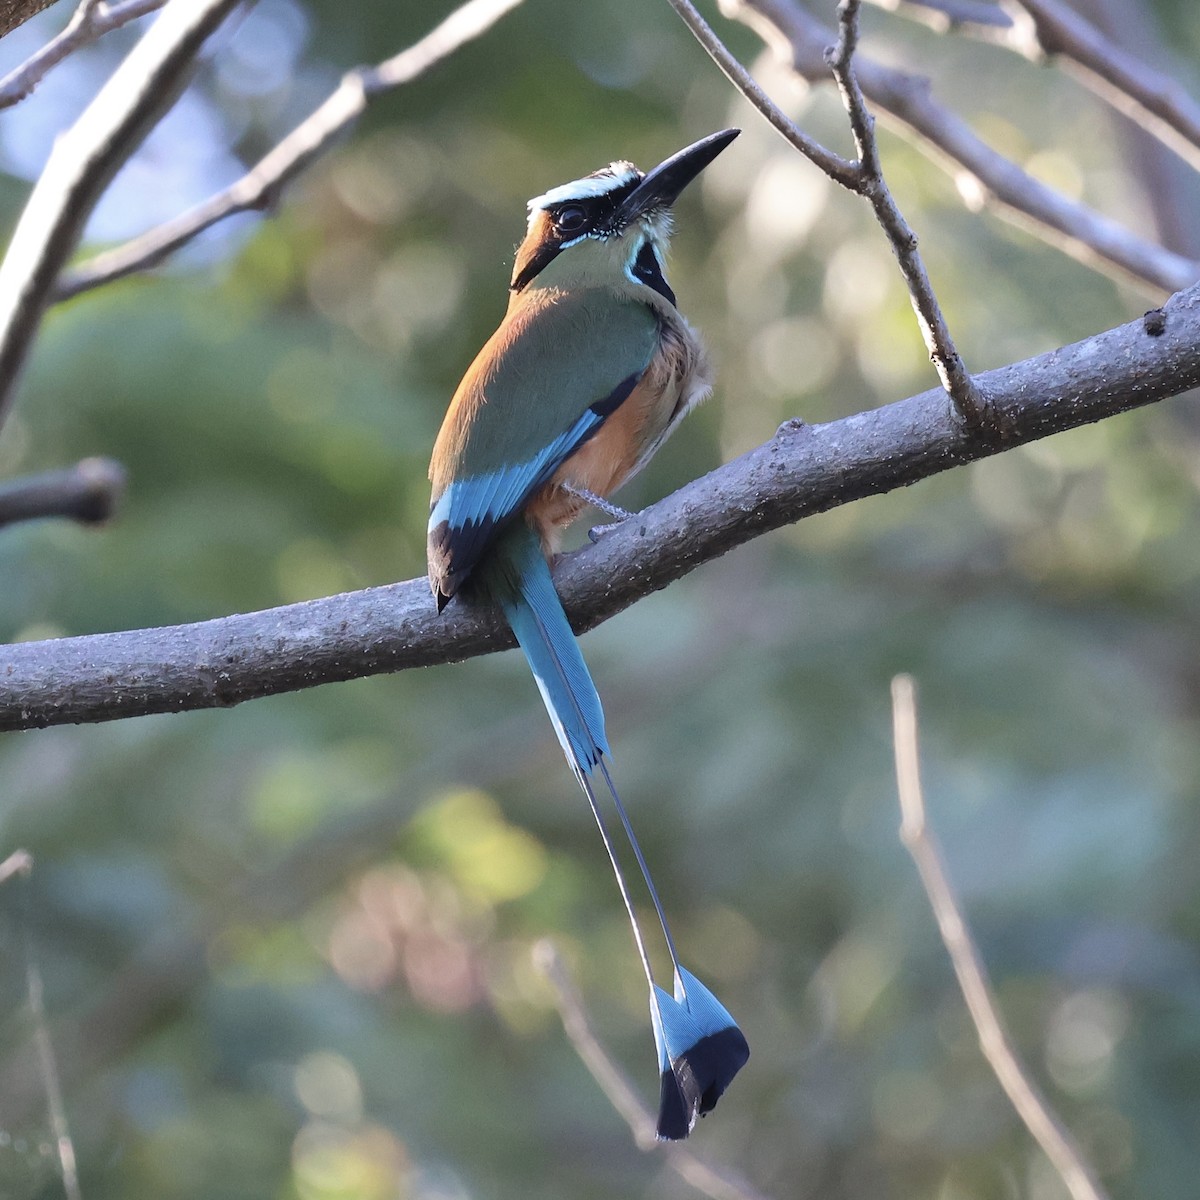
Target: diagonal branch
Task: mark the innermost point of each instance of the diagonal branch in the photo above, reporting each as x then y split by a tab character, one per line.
802	470
1014	1078
261	186
90	21
983	176
82	164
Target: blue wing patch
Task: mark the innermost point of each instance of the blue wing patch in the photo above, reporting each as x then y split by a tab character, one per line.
469	514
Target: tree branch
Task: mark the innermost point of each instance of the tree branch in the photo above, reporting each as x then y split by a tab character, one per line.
863	177
1022	1092
983	176
262	185
82	163
840	170
801	470
88	492
935	332
90	21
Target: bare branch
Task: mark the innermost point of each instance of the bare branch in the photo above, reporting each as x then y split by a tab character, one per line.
261	186
611	1079
864	177
801	470
82	163
19	865
839	169
994	1041
88	492
983	176
963	392
91	20
718	1182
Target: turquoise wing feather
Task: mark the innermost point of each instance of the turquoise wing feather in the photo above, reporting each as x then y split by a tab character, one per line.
545	382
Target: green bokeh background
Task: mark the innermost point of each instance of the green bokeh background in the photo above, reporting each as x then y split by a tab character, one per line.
287	947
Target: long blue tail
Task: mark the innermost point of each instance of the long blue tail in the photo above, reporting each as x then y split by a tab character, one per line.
518	576
700	1047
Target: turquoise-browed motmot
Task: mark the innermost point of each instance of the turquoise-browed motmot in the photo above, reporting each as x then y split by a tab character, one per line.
591	368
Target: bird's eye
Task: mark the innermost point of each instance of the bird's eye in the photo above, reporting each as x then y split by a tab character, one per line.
570	219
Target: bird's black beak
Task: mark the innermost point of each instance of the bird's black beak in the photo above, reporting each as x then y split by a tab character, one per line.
661	187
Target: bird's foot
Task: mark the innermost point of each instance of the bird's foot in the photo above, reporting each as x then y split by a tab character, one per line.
605	506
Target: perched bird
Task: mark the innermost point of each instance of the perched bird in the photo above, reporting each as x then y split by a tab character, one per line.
591	369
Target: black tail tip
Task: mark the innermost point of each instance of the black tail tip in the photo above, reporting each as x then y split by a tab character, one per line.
697	1079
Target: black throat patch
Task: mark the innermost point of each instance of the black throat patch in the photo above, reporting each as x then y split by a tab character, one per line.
646	269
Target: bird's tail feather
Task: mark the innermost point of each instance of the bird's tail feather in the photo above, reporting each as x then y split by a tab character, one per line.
519	577
700	1046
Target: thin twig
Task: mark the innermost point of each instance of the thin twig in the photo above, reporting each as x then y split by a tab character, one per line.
983	176
1014	1078
83	161
90	21
964	393
802	470
718	1182
261	186
864	177
19	865
839	169
88	492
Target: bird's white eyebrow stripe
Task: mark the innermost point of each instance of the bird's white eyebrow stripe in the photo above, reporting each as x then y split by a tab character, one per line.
589	187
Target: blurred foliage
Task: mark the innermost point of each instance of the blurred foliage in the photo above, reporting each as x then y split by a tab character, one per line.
362	870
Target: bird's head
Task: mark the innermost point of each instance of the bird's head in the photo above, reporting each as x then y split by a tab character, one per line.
614	220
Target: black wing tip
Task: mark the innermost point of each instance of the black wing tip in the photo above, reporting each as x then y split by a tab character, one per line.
454	551
697	1079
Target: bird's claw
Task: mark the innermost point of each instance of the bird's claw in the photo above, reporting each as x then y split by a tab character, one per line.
605	506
